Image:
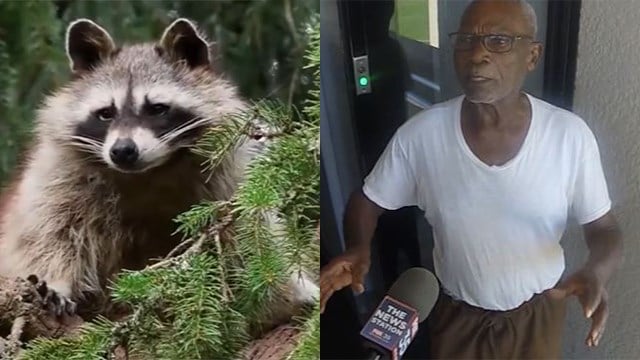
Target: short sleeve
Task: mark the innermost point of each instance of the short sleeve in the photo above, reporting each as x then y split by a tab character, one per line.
391	184
590	199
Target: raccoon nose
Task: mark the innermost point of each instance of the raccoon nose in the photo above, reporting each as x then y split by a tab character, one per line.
124	152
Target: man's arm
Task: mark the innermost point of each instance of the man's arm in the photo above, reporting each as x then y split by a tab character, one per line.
390	185
360	220
604	239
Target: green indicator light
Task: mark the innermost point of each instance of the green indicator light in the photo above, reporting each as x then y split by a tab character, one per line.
363	81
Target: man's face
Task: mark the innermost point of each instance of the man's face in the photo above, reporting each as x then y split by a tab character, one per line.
487	77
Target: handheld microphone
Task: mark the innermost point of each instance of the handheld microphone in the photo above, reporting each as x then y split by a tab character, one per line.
394	323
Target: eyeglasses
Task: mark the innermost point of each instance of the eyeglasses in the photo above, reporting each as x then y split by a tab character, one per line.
497	43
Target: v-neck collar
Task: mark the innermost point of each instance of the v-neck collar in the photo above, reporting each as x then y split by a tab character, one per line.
467	150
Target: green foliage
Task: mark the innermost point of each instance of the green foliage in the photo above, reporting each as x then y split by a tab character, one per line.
197	314
263	273
278	179
182	313
91	343
210	304
309	343
135	287
25	75
198	217
278	206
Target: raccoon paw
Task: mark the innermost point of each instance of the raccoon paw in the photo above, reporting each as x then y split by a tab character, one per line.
54	302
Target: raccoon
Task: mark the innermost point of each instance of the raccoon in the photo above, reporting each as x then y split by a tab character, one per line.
111	166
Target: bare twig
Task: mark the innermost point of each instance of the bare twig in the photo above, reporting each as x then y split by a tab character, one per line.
194	249
227	294
16	329
180	247
11	346
23	307
288	15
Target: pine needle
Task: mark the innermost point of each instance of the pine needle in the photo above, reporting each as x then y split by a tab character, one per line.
309	344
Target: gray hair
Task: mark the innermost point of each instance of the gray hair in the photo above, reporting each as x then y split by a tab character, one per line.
527	11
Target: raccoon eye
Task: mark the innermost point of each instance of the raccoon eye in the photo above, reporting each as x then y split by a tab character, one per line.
157	109
106	114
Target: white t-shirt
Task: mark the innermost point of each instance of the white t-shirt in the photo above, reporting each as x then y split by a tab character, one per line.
496	228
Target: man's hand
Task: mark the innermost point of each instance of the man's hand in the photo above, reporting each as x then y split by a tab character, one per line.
592	296
349	268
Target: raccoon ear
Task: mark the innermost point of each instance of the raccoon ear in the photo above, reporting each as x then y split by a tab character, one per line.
87	44
181	41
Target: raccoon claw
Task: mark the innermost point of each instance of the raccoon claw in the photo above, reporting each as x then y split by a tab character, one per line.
54	302
59	304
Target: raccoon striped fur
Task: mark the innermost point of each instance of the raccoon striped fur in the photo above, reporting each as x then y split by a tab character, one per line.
111	168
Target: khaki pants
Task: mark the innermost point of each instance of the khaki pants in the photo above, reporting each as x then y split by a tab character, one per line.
531	331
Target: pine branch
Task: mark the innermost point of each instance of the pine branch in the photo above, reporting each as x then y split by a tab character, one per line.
300	245
199	217
91	343
219	141
288	171
197	310
166	286
264	119
264	268
309	341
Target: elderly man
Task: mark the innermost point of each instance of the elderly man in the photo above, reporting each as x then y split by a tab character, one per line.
497	173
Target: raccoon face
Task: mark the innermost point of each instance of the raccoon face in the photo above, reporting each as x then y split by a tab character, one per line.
144	135
132	108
